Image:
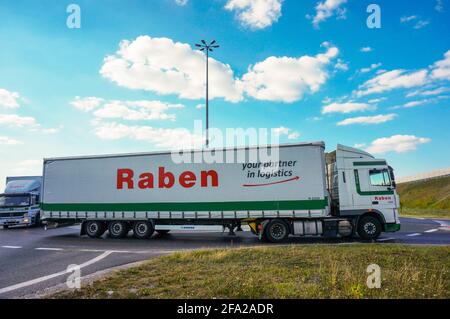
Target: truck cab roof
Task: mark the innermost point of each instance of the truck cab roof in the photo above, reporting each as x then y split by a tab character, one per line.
23	185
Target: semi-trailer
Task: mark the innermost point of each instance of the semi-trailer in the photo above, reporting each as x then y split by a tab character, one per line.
19	204
304	192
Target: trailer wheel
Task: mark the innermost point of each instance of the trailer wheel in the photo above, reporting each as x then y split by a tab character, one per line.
369	228
143	229
94	228
276	231
118	229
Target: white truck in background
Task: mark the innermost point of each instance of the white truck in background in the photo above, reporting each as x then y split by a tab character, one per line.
19	204
305	192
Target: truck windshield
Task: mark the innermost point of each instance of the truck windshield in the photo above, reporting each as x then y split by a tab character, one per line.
14	200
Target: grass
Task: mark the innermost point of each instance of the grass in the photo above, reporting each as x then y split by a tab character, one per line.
429	198
313	271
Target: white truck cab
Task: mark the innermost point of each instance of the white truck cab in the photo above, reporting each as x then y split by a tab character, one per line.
362	188
19	204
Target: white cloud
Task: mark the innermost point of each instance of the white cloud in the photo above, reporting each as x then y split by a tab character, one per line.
256	14
280	130
377	119
5	140
441	69
200	106
392	80
177	138
359	145
14	120
181	2
326	9
415	103
86	104
27	122
421	23
377	100
428	92
287	79
347	107
439	7
366	49
166	67
9	99
291	134
418	25
396	143
341	65
373	66
137	110
396	79
408	18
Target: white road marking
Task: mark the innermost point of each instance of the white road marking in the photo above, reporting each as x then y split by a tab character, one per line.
44	278
12	247
431	230
49	248
386	239
414	234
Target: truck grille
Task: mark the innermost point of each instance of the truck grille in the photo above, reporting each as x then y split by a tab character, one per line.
9	214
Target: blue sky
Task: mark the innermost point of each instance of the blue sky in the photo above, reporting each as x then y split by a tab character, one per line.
311	69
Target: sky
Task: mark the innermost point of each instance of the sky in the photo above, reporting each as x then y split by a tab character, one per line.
114	76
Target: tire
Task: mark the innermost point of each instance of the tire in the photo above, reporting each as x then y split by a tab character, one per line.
143	229
118	229
276	231
5	226
37	220
94	228
369	228
163	232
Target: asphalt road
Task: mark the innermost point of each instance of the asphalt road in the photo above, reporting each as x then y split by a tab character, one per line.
32	259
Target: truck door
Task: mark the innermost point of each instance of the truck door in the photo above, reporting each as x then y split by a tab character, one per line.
373	188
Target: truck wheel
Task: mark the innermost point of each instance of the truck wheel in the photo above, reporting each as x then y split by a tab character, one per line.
276	231
143	229
95	229
5	226
118	229
369	228
37	220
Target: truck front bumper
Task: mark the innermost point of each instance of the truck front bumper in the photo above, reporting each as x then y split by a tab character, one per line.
390	228
15	222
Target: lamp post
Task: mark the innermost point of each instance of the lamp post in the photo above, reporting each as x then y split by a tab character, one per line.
207	48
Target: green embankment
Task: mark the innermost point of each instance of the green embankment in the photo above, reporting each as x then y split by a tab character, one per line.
429	198
313	271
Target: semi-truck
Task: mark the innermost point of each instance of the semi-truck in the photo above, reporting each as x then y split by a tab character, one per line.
304	192
19	204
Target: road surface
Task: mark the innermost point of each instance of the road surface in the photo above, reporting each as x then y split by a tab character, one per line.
32	260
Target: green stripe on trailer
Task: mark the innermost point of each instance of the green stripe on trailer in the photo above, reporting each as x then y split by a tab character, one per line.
369	163
199	206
